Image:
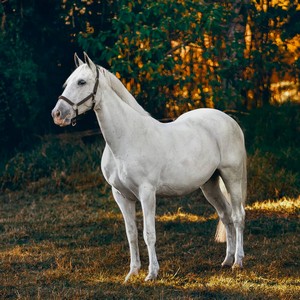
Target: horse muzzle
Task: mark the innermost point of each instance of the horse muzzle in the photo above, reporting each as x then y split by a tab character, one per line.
61	117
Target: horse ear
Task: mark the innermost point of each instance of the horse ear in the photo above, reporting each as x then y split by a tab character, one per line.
77	60
89	62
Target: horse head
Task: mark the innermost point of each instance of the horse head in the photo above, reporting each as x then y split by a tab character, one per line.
79	93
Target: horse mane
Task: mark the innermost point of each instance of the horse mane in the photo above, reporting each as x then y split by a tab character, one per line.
118	87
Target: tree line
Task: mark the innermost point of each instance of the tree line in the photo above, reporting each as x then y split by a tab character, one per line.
173	55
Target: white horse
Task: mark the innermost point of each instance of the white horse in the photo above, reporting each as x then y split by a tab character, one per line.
203	148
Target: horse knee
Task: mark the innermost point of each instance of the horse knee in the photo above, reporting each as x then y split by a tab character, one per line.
239	223
150	238
238	215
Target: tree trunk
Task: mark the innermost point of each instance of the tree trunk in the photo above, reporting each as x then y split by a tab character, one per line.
235	44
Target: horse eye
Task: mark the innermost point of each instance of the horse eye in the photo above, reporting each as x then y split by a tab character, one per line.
81	82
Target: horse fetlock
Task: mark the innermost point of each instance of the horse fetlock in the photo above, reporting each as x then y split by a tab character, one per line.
151	276
135	268
133	271
153	272
238	262
228	261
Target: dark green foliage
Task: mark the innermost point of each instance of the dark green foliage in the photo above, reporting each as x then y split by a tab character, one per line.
35	58
53	165
273	145
136	39
18	86
272	128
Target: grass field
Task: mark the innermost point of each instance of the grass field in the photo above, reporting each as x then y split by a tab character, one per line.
62	235
73	246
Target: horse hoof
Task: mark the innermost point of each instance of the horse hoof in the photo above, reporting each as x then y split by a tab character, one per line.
150	277
130	274
228	261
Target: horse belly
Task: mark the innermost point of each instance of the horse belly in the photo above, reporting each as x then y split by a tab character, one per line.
190	161
175	190
184	178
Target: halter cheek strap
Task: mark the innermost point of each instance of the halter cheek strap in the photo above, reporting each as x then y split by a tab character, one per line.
90	96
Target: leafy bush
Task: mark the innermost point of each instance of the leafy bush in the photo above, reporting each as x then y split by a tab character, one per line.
273	146
18	88
54	164
268	179
272	128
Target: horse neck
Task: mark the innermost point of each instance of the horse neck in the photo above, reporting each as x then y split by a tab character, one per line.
117	120
118	87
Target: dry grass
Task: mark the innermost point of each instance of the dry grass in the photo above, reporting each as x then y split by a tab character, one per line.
73	246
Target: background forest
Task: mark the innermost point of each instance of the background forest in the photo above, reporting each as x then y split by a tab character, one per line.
172	55
61	234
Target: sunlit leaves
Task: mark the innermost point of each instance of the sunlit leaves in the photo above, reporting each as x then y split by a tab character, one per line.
194	52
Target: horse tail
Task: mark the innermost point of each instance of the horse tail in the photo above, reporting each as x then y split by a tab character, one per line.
220	236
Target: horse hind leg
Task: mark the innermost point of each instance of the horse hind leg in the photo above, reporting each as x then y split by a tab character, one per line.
214	191
235	182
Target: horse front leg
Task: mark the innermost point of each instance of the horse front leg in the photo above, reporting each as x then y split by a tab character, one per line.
128	210
148	202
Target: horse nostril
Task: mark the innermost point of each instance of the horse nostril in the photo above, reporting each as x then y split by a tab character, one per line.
57	114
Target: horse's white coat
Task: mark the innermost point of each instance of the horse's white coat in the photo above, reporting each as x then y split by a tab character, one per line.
144	158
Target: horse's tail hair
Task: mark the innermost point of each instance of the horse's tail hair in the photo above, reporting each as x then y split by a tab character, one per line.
220	236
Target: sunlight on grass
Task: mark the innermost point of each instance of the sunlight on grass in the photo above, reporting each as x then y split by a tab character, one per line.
104	277
75	247
109	215
240	283
15	252
183	217
289	206
283	205
245	283
24	253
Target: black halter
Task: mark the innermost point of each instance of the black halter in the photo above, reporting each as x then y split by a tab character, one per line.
76	105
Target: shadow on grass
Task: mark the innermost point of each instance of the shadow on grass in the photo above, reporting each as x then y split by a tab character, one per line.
74	247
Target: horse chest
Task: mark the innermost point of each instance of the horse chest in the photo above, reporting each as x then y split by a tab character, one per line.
120	175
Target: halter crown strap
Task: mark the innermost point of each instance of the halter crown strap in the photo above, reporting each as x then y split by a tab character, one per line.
76	105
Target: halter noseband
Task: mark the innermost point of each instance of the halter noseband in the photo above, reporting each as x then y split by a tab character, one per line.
76	105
